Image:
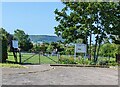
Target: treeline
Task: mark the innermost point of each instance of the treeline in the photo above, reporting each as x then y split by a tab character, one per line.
107	49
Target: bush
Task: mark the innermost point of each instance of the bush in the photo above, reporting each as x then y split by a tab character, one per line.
112	63
103	63
83	61
92	63
64	60
80	61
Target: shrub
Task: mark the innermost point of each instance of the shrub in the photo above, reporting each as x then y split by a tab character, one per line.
68	60
83	61
112	63
103	63
92	63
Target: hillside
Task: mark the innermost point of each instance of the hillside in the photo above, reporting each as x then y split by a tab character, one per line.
44	38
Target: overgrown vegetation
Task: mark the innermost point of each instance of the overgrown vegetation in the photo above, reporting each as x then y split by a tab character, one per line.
85	61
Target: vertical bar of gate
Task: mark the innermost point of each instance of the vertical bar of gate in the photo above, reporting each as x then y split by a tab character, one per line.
39	58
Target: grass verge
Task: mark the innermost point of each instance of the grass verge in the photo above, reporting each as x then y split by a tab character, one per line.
8	65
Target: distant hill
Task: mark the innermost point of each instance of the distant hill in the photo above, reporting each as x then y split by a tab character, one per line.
44	38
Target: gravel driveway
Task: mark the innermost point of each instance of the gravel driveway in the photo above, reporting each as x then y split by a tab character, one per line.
47	75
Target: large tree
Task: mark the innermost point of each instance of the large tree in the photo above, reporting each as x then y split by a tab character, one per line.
79	20
23	39
5	41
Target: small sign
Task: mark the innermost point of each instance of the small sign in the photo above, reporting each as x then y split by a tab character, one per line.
80	48
15	43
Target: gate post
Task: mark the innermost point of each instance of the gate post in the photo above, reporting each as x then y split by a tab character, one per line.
39	58
19	56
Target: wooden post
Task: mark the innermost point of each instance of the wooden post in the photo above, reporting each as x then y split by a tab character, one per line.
20	61
15	55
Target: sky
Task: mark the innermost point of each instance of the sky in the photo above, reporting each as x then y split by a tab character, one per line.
35	18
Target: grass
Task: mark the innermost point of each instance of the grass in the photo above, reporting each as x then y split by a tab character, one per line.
5	65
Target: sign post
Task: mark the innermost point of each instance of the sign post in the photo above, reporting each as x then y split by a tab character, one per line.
80	48
15	49
15	43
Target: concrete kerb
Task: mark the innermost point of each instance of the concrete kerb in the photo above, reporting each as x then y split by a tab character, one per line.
77	65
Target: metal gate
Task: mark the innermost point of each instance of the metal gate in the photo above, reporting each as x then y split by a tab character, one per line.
38	58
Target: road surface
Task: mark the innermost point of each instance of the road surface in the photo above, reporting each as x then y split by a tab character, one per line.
47	75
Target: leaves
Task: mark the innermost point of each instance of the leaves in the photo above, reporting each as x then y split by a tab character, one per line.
23	39
78	20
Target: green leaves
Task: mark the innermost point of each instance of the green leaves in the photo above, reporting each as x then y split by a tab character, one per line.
99	18
4	34
23	39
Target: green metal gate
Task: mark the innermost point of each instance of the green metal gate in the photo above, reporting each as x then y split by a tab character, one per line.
37	58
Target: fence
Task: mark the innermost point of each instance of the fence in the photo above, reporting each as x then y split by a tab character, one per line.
38	58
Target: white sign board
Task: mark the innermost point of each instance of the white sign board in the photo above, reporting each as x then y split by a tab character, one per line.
80	48
15	43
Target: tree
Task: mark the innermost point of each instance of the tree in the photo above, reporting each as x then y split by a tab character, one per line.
23	39
50	48
80	20
4	42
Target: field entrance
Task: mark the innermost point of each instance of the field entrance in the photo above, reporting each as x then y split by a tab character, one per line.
34	58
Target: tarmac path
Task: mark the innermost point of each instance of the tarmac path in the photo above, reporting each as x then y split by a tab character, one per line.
47	75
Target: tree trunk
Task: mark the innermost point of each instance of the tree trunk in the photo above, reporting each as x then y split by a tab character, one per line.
98	52
90	45
4	51
95	49
100	41
87	45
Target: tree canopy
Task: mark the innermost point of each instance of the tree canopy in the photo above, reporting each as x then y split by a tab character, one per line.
79	20
23	39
